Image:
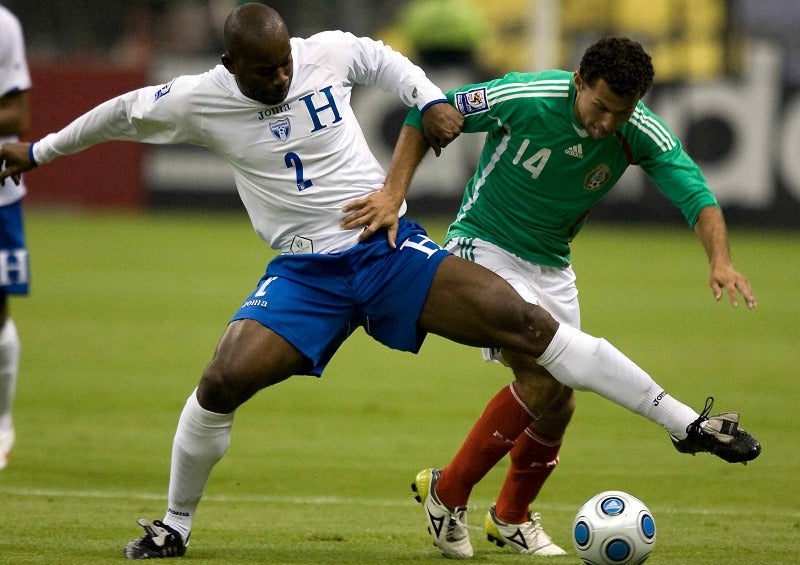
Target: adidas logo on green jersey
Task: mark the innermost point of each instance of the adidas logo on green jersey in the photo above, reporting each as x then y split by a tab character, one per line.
575	151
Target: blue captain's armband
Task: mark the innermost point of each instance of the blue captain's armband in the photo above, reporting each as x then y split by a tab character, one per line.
429	104
30	155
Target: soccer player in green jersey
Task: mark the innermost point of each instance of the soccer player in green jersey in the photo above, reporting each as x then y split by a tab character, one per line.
557	142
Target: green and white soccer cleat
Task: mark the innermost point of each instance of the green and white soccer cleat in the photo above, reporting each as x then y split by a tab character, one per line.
447	526
528	538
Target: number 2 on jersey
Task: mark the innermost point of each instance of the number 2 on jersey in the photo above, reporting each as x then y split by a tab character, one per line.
292	159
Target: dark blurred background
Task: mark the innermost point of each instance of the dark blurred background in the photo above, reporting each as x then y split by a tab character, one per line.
727	83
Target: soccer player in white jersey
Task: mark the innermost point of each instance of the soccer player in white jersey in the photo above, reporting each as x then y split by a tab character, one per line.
278	110
15	81
557	142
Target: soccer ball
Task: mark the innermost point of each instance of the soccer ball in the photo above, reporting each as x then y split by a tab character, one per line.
614	528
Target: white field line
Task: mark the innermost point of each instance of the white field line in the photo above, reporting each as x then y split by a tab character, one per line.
343	501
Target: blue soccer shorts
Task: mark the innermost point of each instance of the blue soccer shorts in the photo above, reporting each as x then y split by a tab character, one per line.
14	266
316	301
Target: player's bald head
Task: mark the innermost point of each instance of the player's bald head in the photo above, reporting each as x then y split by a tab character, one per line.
258	52
252	28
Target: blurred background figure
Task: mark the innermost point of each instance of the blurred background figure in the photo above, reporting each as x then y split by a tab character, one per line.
15	81
714	58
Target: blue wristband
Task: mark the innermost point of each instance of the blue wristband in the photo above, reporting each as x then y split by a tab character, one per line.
30	155
429	104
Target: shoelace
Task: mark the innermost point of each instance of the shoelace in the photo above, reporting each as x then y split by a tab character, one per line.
155	532
455	519
453	523
536	527
535	520
696	426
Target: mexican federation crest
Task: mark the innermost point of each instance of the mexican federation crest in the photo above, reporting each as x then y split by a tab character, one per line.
597	178
281	129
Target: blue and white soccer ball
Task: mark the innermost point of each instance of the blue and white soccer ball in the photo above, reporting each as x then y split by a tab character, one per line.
614	528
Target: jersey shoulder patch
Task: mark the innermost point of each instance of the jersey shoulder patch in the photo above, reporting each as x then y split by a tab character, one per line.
164	90
473	101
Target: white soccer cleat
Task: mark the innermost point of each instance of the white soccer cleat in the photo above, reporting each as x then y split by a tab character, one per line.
6	443
447	526
528	538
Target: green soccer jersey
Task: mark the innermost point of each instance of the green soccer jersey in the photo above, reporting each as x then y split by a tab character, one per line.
539	173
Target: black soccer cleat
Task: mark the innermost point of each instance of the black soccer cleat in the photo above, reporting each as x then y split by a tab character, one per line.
158	541
720	435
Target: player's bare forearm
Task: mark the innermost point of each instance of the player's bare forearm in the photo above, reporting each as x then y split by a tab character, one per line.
712	232
409	151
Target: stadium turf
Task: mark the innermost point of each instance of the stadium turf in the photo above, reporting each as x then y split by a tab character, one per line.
125	312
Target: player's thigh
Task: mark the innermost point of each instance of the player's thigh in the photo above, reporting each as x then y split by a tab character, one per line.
253	352
249	357
551	288
471	305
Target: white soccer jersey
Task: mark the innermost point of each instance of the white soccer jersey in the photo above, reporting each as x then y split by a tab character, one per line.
14	76
295	164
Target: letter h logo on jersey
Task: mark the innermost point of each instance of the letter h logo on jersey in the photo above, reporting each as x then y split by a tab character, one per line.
314	111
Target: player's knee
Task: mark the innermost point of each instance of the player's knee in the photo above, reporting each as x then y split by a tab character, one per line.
539	327
529	327
222	388
564	405
537	389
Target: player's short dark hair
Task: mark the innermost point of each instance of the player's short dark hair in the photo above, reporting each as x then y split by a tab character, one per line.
621	62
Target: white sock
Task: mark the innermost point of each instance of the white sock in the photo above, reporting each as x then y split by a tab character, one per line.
9	366
584	362
202	438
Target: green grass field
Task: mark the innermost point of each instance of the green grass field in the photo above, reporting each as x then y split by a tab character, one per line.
125	312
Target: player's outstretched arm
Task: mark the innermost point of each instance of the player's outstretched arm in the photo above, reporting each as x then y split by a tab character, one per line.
15	159
713	234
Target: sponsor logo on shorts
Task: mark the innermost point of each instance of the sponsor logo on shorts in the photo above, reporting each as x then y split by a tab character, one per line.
421	243
255	302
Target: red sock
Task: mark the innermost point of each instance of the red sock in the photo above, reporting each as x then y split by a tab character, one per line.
492	436
533	458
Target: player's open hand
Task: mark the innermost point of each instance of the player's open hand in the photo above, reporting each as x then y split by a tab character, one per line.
376	211
727	279
14	160
441	124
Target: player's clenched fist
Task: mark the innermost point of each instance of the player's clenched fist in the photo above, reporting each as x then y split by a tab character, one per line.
441	123
15	159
